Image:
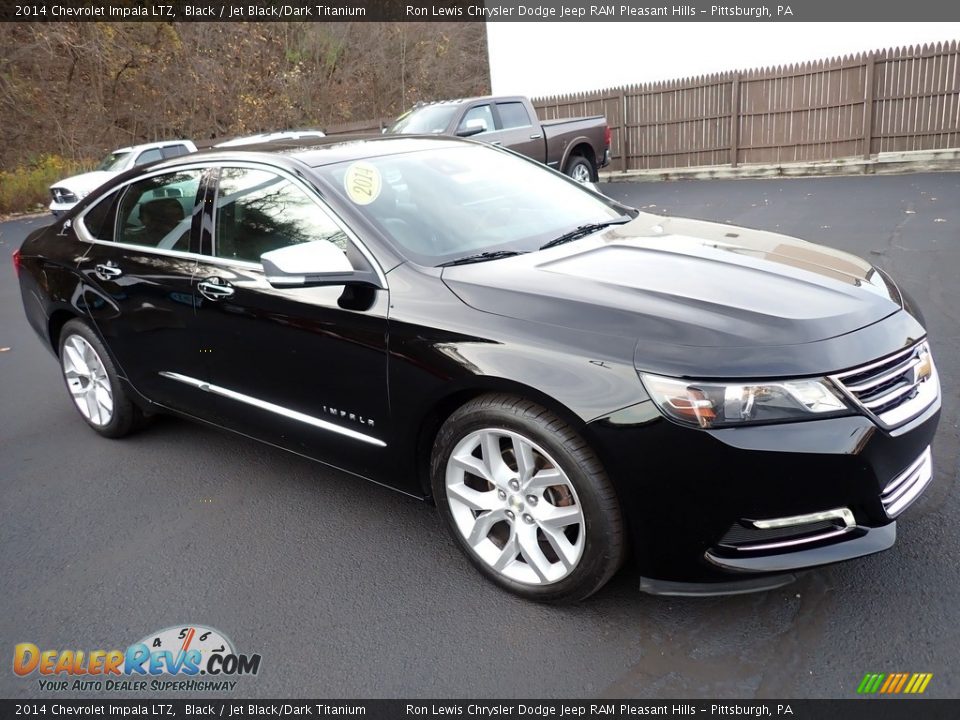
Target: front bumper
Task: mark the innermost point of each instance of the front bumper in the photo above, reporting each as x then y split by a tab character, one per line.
692	497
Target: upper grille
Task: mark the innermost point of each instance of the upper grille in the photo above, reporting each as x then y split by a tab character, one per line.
896	388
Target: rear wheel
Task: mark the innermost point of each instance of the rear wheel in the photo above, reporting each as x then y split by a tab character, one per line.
580	169
527	500
93	383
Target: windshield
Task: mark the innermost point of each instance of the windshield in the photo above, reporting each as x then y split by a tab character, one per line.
430	119
444	204
113	161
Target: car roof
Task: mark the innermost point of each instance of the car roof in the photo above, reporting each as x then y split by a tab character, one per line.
316	152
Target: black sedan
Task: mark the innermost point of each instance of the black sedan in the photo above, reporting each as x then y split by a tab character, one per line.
571	381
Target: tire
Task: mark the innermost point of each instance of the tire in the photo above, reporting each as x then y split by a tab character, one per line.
94	386
581	169
548	529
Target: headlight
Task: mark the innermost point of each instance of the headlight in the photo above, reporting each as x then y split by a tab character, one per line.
710	404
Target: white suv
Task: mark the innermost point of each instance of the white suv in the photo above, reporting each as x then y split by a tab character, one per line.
67	193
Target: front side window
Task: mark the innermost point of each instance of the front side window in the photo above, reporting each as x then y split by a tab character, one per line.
258	211
148	156
157	212
480	113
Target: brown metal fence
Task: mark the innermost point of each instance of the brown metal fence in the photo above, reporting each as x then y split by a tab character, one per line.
890	100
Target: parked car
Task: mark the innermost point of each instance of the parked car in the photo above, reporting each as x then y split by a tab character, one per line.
272	137
68	192
577	147
570	380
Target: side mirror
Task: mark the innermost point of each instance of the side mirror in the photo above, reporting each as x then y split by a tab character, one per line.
473	127
313	264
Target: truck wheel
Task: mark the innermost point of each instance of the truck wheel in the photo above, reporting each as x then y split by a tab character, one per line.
580	169
527	500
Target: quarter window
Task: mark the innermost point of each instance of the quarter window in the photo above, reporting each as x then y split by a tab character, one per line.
157	212
99	220
258	211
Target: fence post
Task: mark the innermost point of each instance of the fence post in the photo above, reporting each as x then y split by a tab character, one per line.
624	133
868	106
734	120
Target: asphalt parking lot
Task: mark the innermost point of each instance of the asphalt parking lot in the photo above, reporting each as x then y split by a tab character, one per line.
347	589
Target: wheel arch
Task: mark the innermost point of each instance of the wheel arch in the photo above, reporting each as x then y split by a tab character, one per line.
442	407
580	147
58	318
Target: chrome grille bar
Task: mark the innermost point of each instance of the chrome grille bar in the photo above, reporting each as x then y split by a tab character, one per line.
894	389
907	486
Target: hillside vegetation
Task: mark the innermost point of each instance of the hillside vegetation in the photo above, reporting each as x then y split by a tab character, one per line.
73	91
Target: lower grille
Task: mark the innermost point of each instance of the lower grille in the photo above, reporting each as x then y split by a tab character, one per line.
896	388
789	532
907	486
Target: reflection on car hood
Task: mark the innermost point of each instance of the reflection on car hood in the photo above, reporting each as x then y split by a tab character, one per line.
685	283
85	182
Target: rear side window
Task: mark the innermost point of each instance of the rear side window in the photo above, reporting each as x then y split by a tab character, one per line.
172	151
513	115
158	211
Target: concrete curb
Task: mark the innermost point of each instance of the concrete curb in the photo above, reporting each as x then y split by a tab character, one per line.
880	164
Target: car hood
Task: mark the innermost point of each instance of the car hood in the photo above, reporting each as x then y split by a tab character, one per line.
85	182
679	283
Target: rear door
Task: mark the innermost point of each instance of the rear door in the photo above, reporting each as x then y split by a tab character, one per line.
518	131
138	267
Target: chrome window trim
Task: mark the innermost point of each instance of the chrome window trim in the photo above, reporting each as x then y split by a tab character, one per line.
272	407
312	191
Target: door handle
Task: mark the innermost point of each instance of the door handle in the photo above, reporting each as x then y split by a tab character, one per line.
536	137
215	289
106	271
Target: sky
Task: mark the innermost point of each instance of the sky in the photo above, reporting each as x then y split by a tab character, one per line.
550	58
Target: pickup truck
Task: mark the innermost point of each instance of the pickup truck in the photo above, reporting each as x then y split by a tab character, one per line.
577	147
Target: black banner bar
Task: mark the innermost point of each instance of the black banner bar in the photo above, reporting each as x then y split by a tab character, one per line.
476	11
854	709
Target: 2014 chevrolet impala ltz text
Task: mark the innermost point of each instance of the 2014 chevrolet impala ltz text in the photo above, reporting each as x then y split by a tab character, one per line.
571	381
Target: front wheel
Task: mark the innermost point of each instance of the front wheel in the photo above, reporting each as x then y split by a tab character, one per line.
527	500
580	169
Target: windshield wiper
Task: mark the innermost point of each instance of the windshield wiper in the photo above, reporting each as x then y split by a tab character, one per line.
585	230
481	257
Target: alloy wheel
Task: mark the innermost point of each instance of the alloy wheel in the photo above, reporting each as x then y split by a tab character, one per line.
87	381
515	506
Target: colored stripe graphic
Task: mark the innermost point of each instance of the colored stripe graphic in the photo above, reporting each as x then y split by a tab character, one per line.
894	683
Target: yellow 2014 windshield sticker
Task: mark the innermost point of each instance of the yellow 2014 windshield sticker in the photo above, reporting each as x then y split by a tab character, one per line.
362	183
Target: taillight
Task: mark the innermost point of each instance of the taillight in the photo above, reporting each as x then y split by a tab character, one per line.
16	262
607	136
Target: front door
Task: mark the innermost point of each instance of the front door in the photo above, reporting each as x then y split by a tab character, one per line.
303	368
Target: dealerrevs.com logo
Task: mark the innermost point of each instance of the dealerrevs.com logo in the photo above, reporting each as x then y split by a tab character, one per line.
184	657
